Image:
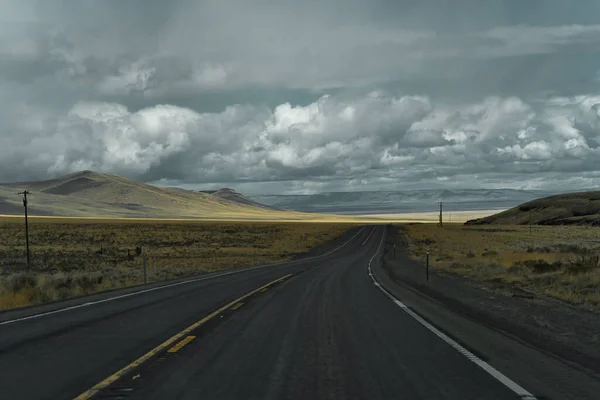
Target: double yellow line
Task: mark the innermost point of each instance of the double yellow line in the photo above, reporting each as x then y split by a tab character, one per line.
166	344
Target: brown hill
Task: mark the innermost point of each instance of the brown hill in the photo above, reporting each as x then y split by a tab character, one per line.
238	198
581	208
89	193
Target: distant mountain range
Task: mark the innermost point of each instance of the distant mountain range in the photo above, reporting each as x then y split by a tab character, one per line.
390	202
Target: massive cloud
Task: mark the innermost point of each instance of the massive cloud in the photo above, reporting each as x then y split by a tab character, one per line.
301	96
373	137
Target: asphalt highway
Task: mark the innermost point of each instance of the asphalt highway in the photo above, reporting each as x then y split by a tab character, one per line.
321	328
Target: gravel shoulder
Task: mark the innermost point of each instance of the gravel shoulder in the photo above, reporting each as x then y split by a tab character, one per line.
561	329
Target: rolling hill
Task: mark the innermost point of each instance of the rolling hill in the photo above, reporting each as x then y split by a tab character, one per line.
582	208
238	198
89	193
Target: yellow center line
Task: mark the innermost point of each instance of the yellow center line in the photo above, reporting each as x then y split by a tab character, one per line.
128	368
238	305
179	345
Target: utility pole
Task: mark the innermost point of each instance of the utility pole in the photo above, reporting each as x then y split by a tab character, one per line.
25	193
441	221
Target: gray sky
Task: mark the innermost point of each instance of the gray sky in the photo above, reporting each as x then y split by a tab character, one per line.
303	96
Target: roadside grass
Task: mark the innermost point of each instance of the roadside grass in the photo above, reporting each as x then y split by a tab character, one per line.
71	258
560	261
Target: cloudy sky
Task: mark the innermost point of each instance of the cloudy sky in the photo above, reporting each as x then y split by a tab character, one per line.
303	96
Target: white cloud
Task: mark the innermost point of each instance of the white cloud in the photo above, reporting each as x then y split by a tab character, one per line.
108	137
397	138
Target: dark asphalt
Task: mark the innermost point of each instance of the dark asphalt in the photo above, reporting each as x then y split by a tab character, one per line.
327	332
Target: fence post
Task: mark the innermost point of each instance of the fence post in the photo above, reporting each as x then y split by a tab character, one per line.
427	261
427	268
145	271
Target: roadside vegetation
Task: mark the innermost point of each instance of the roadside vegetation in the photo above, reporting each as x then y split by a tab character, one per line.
76	257
559	261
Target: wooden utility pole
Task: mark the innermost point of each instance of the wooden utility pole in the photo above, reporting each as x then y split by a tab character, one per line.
441	219
25	193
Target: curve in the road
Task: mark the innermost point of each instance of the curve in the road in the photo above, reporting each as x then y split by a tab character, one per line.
509	383
328	331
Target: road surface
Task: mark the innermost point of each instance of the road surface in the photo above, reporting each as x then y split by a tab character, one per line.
326	327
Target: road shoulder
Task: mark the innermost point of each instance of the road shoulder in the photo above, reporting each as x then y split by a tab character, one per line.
524	356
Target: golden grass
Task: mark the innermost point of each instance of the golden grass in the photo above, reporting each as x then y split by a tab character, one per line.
561	261
433	216
267	217
72	257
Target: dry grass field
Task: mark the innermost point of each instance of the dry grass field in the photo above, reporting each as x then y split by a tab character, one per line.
561	261
79	256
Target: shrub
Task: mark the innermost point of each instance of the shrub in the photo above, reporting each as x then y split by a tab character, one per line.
490	271
583	263
18	281
489	253
570	248
540	266
548	279
49	287
518	269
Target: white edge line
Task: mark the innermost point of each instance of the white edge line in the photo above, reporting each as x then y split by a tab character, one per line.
91	303
368	237
499	376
